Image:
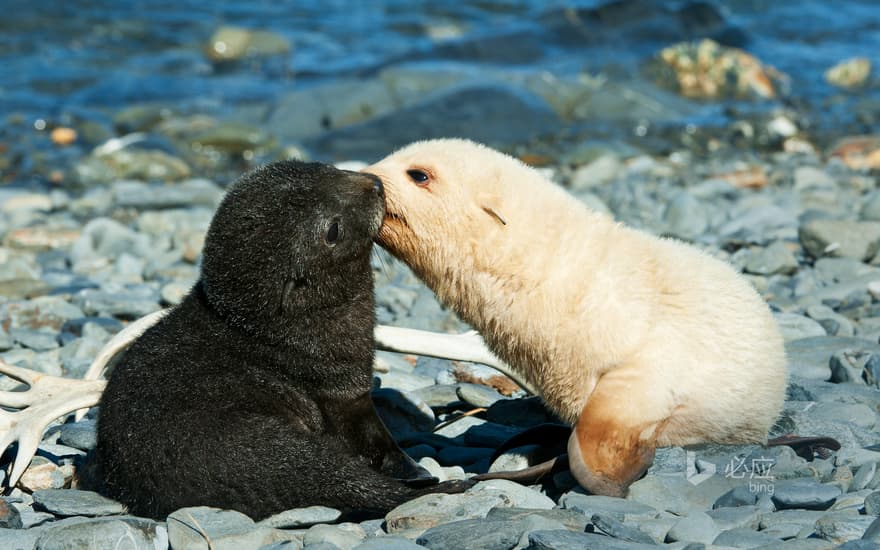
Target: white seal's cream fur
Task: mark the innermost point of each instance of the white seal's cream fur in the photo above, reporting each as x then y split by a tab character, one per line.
637	341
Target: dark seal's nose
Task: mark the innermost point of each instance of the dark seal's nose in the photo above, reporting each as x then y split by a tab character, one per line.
377	184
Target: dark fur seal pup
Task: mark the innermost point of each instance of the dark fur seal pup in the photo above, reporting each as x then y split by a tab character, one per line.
254	393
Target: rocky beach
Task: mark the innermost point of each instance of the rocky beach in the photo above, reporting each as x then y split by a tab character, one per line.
747	128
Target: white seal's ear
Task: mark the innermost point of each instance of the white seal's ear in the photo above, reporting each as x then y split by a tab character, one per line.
489	204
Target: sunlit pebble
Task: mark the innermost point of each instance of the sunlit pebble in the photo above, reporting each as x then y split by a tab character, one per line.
248	155
63	136
56	176
641	130
690	128
220	47
40	124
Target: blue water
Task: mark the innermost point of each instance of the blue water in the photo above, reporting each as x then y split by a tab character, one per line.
63	61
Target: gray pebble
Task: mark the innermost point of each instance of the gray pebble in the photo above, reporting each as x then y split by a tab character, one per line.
73	502
872	504
614	528
440	395
804	493
109	533
404	381
10	517
794	326
81	435
685	217
774	259
389	542
747	517
337	535
123	304
863	476
512	494
38	340
478	395
618	508
839	527
744	538
430	510
870	210
472	534
301	517
697	527
840	238
192	528
570	519
567	540
738	496
872	533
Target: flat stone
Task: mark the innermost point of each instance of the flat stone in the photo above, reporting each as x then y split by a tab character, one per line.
45	474
430	510
774	259
193	528
618	508
388	542
809	357
863	476
301	517
794	326
685	217
618	530
839	527
336	535
478	395
10	518
81	435
804	494
512	494
570	519
840	238
74	502
697	527
472	534
744	538
741	517
567	540
738	496
872	533
872	504
115	532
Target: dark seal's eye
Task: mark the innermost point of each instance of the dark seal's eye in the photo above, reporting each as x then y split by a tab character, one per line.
332	233
419	177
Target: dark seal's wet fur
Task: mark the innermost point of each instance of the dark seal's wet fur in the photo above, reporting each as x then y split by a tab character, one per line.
254	393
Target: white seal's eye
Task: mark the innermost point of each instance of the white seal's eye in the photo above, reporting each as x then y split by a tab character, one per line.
418	176
332	233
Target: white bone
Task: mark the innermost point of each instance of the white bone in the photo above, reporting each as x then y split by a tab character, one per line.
47	398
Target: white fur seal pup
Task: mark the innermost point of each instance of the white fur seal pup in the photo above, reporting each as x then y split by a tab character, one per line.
254	393
637	341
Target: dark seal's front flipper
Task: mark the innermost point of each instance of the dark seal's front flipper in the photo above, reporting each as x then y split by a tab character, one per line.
363	428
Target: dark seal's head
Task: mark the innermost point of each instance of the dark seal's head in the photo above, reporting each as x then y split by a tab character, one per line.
290	239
